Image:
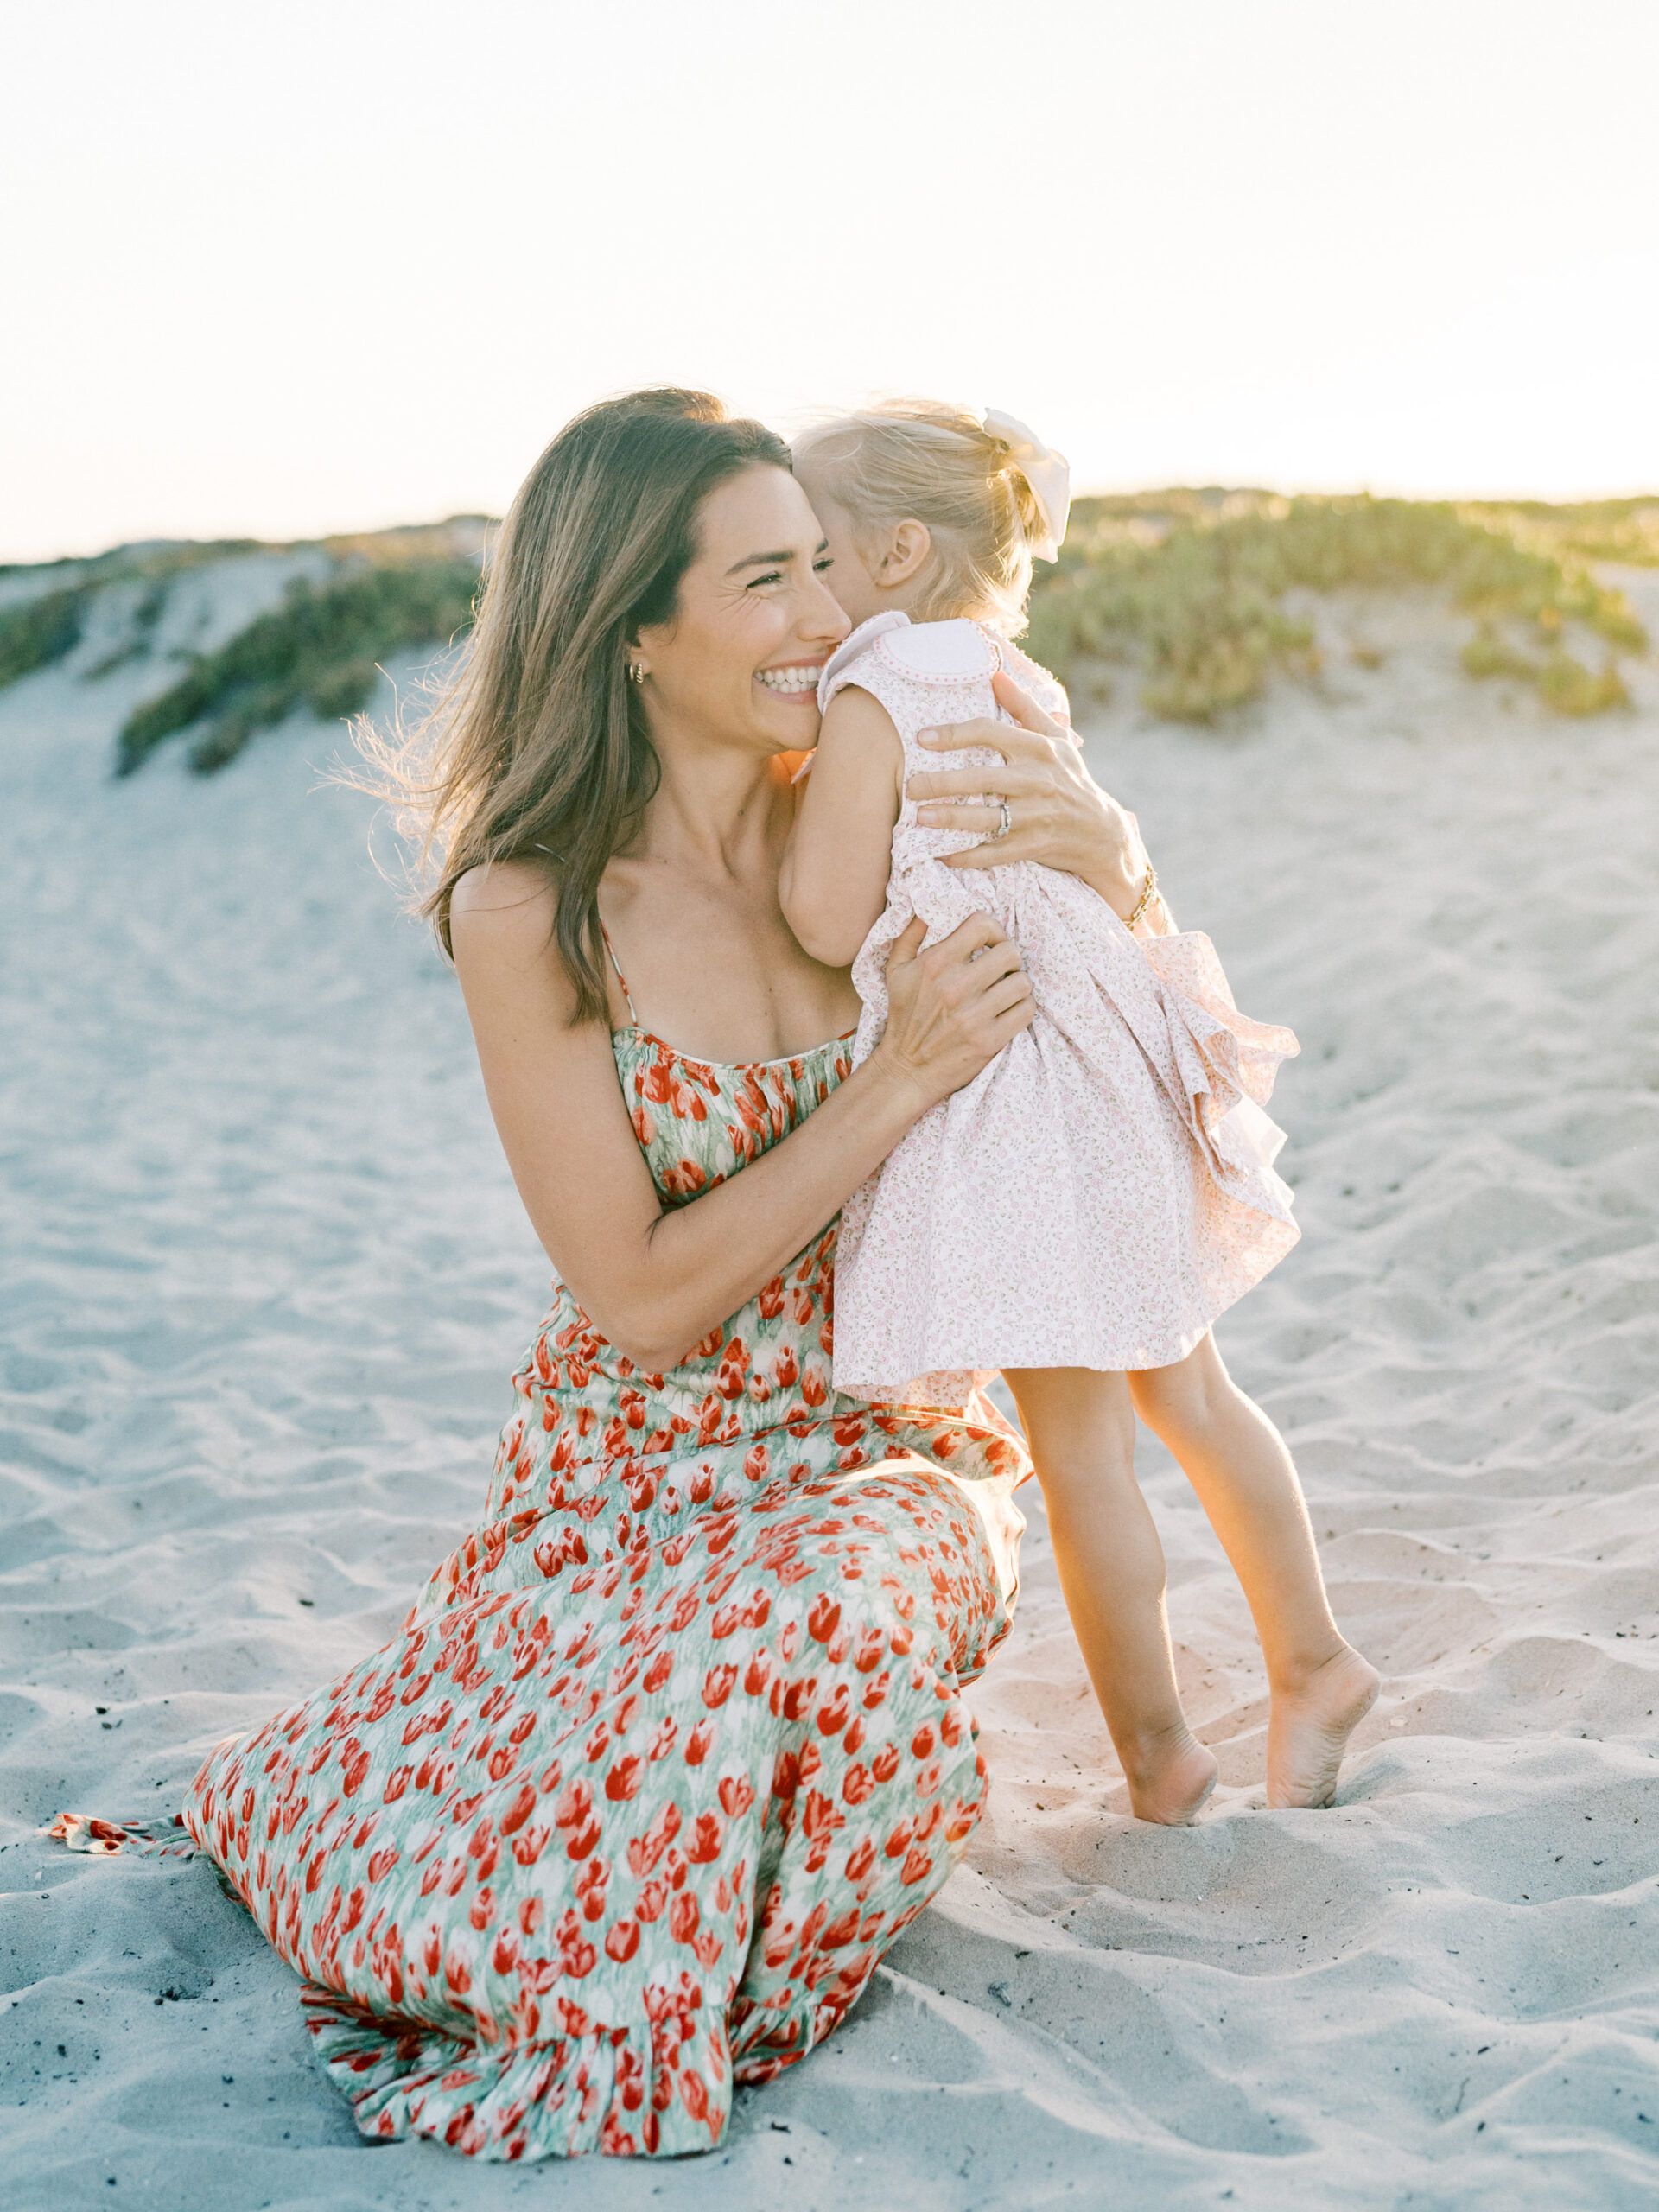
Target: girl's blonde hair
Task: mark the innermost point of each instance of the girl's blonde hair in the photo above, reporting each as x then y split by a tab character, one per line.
923	460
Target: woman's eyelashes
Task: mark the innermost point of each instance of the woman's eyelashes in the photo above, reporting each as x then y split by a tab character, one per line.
776	576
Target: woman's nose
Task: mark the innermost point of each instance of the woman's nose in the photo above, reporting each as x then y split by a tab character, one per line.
825	619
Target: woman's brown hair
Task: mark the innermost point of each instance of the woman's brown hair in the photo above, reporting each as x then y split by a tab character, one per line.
538	746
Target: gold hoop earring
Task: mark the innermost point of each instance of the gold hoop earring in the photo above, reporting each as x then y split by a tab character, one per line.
636	673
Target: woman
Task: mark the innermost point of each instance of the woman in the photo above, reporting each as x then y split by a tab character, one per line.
672	1748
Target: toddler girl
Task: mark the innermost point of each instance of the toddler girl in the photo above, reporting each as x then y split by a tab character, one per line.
1079	1214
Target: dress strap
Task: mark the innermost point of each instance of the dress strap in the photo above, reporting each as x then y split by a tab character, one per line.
621	978
632	1016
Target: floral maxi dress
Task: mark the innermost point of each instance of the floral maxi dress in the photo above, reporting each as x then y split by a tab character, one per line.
671	1749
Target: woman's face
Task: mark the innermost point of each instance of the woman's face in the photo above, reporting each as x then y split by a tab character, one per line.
854	588
754	622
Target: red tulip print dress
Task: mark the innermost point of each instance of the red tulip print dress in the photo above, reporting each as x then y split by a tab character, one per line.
669	1748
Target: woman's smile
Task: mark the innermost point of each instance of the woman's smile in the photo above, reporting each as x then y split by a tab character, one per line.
795	681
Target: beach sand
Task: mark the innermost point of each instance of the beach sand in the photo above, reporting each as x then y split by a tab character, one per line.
265	1279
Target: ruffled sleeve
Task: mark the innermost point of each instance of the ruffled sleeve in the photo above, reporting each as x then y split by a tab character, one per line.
1229	1064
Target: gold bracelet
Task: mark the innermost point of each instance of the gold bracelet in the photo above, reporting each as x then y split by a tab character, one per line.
1149	892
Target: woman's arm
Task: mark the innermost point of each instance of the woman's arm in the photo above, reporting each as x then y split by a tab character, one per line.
656	1281
833	883
1058	813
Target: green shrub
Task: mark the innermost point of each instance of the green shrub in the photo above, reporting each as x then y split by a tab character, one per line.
1570	688
1488	653
146	615
343	690
1563	683
1589	530
43	630
318	650
39	631
1191	583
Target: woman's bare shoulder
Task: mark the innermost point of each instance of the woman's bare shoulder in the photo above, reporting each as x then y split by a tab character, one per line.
504	887
503	903
501	924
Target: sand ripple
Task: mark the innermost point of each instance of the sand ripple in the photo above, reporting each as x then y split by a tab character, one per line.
266	1274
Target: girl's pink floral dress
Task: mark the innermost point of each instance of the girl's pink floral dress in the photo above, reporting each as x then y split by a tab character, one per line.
671	1749
1104	1188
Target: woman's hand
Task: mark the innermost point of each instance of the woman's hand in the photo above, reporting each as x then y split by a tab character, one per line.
1058	813
951	1008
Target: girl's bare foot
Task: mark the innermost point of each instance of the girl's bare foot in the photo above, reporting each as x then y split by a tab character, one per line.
1308	1728
1171	1779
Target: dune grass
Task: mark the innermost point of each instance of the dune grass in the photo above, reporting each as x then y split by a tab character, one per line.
318	650
1193	585
140	641
391	590
39	632
1592	530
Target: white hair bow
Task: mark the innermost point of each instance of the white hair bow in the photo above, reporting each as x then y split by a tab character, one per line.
1049	475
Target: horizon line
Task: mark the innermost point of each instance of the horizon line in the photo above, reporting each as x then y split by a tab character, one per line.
13	564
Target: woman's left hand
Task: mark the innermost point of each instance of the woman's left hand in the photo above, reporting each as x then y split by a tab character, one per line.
1058	814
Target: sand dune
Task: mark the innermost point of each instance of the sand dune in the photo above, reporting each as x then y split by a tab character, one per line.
266	1276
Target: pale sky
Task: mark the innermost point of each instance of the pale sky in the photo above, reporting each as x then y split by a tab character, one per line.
279	270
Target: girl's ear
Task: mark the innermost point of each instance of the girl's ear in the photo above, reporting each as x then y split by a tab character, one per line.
904	556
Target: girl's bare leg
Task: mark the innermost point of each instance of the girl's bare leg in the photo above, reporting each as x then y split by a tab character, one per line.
1080	1426
1236	1461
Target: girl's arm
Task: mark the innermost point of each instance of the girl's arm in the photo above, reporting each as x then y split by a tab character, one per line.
833	884
655	1281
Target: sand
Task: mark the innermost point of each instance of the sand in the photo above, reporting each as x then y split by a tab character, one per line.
266	1277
